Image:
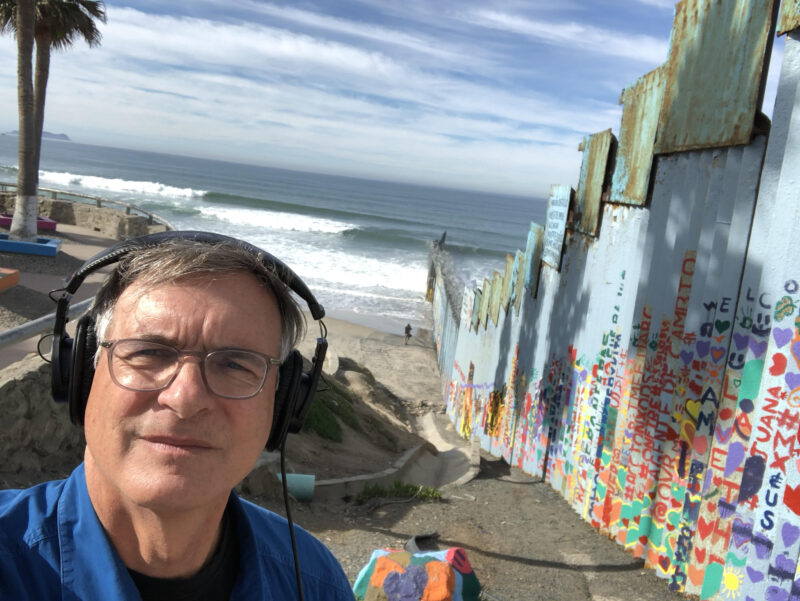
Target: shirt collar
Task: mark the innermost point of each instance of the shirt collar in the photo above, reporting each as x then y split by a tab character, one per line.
90	566
93	568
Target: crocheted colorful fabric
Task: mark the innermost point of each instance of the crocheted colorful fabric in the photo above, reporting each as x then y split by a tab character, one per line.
393	575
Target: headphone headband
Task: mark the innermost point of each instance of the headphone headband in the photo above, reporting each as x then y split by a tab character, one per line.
72	358
114	253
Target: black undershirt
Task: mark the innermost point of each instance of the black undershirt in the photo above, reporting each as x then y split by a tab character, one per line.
214	581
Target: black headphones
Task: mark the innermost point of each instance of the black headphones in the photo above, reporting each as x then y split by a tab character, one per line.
72	360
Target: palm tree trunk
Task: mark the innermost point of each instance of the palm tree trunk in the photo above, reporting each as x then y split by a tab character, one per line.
23	226
39	92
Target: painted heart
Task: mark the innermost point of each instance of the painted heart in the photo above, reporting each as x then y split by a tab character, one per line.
723	434
776	593
718	353
740	340
789	534
792	380
796	350
762	545
791	498
782	336
703	346
721	326
693	409
696	574
704	528
785	564
778	364
735	458
700	444
741	532
758	348
754	575
686	357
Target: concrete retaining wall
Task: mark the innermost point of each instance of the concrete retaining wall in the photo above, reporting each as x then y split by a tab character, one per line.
38	443
112	223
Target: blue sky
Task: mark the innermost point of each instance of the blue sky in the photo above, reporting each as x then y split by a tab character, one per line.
480	94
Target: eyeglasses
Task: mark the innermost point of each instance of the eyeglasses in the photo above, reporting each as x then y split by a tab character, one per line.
147	366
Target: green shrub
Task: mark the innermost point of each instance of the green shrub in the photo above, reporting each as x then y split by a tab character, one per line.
398	489
332	402
321	420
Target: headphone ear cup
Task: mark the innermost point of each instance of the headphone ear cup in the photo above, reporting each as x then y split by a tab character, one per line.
60	367
285	399
84	348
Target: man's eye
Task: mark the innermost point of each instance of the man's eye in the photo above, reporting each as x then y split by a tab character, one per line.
238	364
147	353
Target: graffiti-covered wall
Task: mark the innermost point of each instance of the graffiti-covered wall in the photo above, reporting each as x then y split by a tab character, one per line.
642	353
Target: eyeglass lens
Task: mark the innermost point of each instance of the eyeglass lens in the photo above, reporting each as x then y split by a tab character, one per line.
144	366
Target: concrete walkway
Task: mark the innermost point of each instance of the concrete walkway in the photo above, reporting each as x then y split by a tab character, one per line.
77	243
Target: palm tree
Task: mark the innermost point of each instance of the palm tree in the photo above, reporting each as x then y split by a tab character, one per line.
58	23
25	206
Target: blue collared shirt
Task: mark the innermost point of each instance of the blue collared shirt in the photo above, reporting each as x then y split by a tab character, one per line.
52	546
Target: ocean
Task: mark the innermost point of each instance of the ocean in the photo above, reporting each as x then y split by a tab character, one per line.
360	245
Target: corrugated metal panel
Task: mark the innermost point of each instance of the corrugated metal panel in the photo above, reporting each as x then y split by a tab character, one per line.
497	291
596	149
476	309
533	256
519	293
486	294
714	73
790	16
642	104
557	210
508	282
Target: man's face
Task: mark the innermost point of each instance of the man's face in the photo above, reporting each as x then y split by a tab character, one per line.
183	446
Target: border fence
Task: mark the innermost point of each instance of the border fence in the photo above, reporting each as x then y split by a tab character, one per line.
642	353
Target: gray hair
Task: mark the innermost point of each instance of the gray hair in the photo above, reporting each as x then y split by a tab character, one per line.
181	259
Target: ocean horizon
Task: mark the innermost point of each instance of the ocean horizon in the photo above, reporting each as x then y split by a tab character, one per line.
361	245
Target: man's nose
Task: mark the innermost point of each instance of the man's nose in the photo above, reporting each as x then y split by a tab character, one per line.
187	393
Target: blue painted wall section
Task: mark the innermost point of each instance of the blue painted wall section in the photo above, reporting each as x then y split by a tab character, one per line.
651	373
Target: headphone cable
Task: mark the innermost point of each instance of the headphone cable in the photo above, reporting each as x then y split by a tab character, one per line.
289	520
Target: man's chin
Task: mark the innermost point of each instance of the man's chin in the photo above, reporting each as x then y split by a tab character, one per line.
175	491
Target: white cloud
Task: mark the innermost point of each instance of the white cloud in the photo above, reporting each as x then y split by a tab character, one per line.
641	48
665	4
293	88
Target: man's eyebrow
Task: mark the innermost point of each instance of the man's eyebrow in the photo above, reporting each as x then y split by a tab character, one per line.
155	338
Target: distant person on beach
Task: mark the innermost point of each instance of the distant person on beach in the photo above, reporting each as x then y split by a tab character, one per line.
408	332
183	372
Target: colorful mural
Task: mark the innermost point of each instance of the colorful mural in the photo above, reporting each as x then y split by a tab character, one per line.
651	374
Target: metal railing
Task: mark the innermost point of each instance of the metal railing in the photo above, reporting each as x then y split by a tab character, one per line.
39	325
99	202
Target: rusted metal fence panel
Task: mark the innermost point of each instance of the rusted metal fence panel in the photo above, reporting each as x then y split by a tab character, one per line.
597	150
534	250
654	379
641	107
790	16
715	74
558	205
486	297
508	282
